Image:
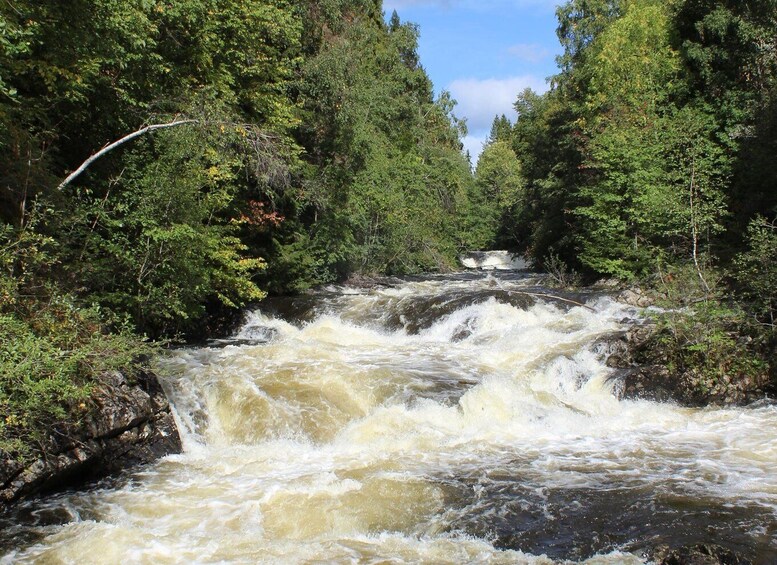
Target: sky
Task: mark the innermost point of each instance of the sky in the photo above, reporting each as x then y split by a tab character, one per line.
484	52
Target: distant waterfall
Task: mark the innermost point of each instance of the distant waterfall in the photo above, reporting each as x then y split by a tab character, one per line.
493	260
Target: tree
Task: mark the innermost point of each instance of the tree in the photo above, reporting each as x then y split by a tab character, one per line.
501	129
755	270
629	203
386	173
580	22
501	187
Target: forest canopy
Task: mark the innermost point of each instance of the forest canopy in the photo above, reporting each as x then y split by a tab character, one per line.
313	147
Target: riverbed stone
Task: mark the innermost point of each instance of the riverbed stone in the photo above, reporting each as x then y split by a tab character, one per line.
125	423
700	554
636	296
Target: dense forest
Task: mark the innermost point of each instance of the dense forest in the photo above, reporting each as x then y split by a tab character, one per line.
655	144
292	143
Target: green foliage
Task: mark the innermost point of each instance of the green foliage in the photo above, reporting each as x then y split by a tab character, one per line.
654	150
157	229
546	140
342	144
501	130
613	218
713	346
632	156
387	183
755	270
153	245
633	202
499	175
632	62
708	339
49	364
580	21
500	184
51	351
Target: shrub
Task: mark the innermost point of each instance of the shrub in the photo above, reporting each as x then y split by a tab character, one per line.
51	350
755	270
707	340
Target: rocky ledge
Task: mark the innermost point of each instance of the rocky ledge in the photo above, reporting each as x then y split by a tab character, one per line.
124	424
643	371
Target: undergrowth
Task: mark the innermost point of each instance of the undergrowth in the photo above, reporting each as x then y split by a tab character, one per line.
52	350
710	338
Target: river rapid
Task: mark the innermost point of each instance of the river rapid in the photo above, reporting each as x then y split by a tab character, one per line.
444	419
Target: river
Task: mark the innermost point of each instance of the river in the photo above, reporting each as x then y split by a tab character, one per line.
441	419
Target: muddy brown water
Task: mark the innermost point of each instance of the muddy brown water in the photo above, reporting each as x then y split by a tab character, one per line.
457	419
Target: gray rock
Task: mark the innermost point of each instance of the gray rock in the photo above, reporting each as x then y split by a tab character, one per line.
700	554
609	283
635	296
125	424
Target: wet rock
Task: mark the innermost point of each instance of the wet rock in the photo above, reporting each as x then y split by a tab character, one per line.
643	372
124	424
635	296
701	554
621	350
650	382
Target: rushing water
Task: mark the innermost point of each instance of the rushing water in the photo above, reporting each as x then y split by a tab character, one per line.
438	420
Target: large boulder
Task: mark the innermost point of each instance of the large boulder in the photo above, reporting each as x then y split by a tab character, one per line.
643	371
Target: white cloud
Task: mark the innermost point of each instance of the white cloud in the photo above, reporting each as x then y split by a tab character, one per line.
389	5
474	145
529	52
480	100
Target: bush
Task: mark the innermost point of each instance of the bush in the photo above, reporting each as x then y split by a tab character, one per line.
51	350
756	270
714	348
559	272
707	340
159	244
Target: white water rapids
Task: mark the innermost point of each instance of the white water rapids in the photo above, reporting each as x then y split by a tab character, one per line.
438	420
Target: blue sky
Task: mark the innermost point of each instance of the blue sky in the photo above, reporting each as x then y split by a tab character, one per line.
484	52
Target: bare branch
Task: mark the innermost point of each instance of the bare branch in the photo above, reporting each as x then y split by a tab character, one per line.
72	176
551	296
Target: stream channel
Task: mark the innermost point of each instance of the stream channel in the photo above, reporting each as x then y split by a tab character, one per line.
440	419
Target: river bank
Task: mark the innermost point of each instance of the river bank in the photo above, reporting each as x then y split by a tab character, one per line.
124	423
693	352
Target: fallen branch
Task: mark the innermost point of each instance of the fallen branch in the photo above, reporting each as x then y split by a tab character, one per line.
544	295
116	143
553	296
